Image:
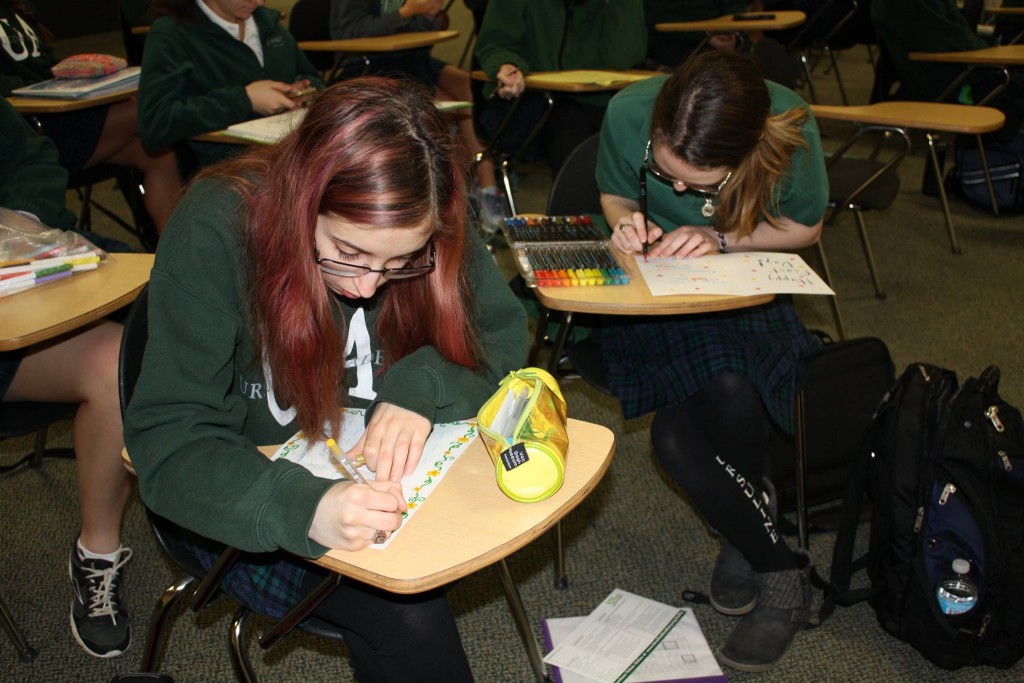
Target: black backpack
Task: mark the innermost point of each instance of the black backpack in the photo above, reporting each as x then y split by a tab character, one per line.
1006	169
943	465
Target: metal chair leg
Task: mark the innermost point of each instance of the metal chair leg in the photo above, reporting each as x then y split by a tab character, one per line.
236	646
868	253
25	651
561	576
953	242
801	473
988	175
515	605
154	639
837	316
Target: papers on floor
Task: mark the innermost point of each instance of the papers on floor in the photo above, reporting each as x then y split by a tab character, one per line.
269	129
77	88
630	638
446	442
742	274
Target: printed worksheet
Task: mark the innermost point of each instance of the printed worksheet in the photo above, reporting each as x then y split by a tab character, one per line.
447	441
740	274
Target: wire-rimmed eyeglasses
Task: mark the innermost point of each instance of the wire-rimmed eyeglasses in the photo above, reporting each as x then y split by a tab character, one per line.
332	267
651	165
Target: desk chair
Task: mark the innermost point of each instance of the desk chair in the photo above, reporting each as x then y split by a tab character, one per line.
129	182
821	35
202	584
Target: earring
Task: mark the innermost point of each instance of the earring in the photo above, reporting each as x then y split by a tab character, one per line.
708	210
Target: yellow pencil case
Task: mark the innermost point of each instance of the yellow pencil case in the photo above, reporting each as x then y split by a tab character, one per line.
523	428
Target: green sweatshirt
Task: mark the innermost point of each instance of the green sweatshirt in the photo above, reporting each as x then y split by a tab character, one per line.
555	35
194	76
31	179
24	58
905	26
203	402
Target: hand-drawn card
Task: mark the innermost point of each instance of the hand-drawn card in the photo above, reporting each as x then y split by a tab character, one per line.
447	441
739	274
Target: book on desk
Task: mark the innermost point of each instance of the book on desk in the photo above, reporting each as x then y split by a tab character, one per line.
78	88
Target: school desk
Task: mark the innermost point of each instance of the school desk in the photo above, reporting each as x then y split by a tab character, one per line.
53	105
1000	58
993	14
727	24
630	299
547	82
468	524
395	42
52	309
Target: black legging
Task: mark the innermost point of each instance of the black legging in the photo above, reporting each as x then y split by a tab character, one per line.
395	637
715	445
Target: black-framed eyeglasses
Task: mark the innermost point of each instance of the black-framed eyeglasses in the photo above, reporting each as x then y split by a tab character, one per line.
651	165
332	267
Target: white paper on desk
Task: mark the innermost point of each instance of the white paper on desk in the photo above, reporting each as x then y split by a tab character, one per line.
446	442
615	637
269	129
683	654
741	274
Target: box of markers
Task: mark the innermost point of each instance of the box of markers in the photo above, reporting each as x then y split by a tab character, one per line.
562	251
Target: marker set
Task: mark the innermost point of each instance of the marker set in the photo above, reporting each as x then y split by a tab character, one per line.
562	251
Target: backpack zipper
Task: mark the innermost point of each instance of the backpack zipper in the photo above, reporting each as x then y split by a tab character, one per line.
992	413
948	490
1007	465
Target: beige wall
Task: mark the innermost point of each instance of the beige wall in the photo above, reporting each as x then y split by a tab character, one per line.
461	20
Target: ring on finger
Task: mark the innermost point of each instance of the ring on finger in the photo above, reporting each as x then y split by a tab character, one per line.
623	226
380	536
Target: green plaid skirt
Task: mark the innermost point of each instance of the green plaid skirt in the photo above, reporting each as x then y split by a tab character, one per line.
658	361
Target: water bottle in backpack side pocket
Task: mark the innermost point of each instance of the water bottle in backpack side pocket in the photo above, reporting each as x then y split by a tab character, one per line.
957	594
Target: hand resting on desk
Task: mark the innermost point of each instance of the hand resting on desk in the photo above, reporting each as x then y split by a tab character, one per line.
273	97
393	442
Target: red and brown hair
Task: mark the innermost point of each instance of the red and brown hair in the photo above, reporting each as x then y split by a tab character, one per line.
374	152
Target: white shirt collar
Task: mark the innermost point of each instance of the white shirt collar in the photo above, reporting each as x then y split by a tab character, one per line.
252	34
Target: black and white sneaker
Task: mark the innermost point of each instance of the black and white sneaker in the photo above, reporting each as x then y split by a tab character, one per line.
99	615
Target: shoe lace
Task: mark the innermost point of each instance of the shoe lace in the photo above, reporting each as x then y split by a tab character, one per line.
101	585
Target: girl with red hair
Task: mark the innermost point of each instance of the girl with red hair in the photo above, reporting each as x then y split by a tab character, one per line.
332	269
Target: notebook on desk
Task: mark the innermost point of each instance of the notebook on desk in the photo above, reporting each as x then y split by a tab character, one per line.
79	88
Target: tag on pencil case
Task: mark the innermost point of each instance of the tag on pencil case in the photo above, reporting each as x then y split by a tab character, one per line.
523	428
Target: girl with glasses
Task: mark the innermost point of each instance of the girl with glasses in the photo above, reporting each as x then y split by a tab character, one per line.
713	158
332	269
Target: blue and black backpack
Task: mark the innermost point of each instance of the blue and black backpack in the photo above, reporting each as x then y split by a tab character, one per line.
943	468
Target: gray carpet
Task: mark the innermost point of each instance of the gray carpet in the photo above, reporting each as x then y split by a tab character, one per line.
636	531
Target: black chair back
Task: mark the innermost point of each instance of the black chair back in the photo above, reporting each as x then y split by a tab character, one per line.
574	190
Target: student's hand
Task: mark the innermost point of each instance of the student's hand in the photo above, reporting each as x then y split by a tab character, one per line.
628	235
686	241
349	515
393	441
270	97
412	8
511	82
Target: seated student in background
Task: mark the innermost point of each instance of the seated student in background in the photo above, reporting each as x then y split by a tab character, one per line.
86	137
362	18
519	37
80	367
209	64
905	26
332	269
731	163
666	50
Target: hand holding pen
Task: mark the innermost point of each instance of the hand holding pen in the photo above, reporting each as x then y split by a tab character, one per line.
511	82
632	236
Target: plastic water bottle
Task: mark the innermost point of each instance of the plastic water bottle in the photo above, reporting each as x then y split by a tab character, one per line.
957	593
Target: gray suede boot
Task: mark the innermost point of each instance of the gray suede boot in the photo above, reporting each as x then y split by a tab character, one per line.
762	637
733	590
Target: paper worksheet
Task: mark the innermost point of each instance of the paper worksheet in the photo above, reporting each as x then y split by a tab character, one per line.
614	639
683	654
740	274
447	441
269	129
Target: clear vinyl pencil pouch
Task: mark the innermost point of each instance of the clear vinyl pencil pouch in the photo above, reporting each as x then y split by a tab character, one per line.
523	428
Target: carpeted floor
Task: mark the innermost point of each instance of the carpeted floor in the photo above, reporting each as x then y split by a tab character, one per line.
636	531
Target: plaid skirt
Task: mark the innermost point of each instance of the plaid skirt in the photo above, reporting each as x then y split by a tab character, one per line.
658	361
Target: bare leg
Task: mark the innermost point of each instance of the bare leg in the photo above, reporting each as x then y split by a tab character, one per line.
82	368
120	144
454	85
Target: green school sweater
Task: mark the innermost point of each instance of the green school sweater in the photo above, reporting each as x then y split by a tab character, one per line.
552	35
31	179
194	76
24	57
203	403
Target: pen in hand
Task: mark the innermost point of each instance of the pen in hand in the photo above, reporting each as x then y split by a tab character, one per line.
643	211
344	463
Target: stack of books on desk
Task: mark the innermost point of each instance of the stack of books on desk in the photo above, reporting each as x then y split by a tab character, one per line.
79	88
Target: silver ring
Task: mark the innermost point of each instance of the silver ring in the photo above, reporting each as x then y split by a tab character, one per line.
380	536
